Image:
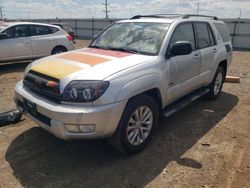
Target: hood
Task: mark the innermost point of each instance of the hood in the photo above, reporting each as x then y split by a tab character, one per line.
87	64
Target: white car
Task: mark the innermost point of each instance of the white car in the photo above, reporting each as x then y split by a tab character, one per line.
22	41
133	71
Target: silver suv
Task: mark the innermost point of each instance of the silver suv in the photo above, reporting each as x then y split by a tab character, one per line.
131	73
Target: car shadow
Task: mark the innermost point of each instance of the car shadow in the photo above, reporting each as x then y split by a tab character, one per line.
38	159
14	67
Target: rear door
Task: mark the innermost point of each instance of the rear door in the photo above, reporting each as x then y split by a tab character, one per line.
17	46
42	40
206	44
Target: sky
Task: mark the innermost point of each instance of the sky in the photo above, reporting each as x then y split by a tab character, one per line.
25	9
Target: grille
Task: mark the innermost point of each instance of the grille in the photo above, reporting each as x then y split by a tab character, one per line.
43	85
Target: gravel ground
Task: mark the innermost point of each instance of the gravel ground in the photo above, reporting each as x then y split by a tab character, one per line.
204	145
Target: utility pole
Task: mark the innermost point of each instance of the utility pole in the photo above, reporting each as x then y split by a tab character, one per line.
1	13
240	15
106	9
198	8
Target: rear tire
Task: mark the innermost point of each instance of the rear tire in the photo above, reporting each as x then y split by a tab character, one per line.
58	50
138	121
216	85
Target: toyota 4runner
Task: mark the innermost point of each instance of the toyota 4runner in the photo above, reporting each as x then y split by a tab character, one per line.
132	72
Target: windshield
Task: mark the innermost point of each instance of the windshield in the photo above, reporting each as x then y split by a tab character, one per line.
137	37
2	27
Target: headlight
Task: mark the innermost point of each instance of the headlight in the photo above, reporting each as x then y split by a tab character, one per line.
84	91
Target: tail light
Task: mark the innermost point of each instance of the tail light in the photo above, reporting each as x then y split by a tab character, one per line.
69	38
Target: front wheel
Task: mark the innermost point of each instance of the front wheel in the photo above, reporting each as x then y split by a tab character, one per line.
137	123
216	85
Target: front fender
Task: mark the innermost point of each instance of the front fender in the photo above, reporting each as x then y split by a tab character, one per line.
137	86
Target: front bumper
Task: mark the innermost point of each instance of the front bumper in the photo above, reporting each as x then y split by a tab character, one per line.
53	117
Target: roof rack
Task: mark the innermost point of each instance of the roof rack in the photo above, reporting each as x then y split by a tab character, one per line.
185	16
156	16
198	15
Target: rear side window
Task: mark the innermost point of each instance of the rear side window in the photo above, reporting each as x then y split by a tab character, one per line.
40	30
224	32
203	38
183	32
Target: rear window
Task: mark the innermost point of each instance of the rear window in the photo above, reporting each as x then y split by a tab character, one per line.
224	32
67	28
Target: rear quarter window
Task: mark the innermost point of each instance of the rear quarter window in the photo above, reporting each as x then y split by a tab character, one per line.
224	32
54	30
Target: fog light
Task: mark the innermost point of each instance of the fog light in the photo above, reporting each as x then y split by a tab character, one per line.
80	128
72	128
87	128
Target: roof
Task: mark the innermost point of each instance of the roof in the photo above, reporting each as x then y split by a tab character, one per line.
26	23
169	18
63	24
177	16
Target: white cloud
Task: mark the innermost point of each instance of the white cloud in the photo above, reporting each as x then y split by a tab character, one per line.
84	9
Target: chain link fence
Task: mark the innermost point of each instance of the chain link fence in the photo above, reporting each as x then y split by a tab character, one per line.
87	28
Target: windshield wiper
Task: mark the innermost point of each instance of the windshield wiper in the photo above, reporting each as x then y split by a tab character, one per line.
115	49
130	50
124	50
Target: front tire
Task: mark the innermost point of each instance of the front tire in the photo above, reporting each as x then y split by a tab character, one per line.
216	85
136	126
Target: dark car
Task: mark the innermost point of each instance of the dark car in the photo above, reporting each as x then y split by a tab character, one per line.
67	28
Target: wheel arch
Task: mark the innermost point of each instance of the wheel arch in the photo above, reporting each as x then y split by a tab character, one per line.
57	47
156	95
223	64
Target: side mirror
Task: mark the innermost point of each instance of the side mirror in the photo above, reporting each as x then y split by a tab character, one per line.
3	36
181	48
93	38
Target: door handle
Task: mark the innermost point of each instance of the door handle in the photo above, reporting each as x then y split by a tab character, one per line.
196	56
27	42
215	50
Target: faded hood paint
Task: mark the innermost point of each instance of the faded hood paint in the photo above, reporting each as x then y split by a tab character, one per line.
87	64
